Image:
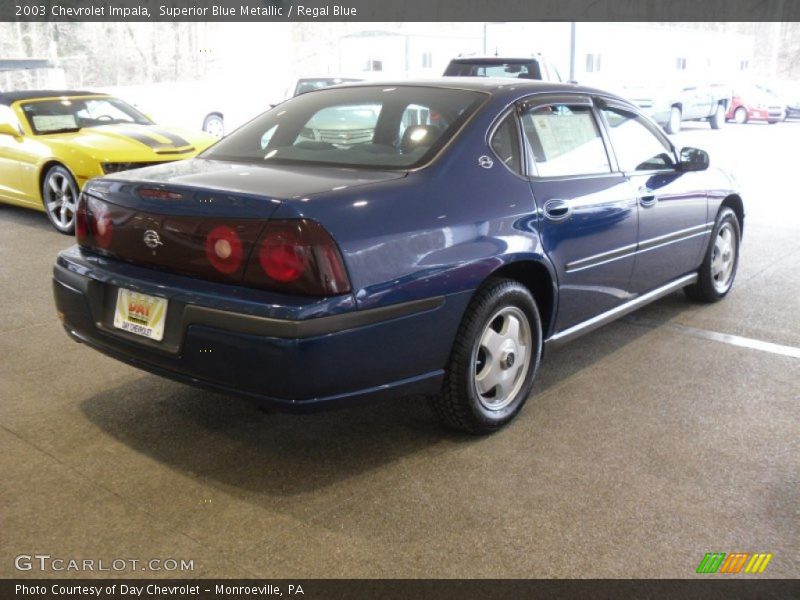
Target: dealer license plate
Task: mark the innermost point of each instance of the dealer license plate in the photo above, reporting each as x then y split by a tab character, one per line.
140	314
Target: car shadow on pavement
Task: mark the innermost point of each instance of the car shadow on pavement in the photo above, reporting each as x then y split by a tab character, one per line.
231	441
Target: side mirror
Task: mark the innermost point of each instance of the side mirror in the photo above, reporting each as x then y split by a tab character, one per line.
694	159
9	129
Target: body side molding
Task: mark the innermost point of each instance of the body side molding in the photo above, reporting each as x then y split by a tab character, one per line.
619	311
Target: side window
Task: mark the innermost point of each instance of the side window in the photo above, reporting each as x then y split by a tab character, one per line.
505	143
565	140
637	147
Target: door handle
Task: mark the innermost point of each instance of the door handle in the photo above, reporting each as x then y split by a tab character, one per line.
647	197
557	210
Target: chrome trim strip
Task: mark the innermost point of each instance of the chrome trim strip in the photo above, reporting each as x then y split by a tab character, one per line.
675	235
645	246
619	311
600	258
675	241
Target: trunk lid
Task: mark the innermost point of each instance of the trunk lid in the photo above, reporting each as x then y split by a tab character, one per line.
264	183
199	218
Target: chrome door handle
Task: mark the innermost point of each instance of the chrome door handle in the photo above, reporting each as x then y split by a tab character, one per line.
557	210
647	197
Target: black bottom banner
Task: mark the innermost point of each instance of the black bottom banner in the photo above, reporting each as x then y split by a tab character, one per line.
439	589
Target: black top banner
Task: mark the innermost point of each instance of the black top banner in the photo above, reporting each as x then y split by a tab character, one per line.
399	10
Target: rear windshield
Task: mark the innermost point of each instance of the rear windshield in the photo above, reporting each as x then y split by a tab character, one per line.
369	126
309	85
514	70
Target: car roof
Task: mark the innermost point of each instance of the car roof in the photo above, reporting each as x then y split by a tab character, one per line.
10	97
504	89
329	78
490	85
496	59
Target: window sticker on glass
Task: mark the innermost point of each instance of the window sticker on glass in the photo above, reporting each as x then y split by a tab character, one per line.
560	133
565	140
45	123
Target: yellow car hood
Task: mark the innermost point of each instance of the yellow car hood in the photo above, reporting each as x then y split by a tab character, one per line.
134	142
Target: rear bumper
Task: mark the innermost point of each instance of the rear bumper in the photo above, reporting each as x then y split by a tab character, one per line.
292	357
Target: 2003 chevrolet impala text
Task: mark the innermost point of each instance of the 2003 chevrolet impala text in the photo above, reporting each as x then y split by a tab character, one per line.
418	237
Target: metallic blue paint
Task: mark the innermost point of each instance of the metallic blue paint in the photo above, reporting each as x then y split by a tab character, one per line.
440	230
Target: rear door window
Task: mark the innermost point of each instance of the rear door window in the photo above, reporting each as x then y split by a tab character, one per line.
564	140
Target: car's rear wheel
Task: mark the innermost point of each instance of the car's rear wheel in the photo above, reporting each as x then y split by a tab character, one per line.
740	115
214	124
674	123
716	274
60	199
494	359
718	118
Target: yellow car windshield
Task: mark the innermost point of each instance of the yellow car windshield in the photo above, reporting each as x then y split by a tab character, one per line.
71	114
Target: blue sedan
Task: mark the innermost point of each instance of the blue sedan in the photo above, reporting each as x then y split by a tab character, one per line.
376	240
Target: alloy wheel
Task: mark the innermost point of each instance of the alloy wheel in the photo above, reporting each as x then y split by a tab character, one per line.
723	258
502	357
60	200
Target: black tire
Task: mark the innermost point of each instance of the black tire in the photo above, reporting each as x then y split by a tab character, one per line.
460	405
60	199
707	288
674	122
718	118
740	115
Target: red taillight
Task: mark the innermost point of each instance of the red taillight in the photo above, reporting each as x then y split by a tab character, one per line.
81	223
224	249
282	256
297	257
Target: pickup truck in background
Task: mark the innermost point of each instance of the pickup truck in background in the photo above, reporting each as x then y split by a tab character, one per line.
671	105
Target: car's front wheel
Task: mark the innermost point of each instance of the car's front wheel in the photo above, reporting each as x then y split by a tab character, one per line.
494	359
716	274
740	115
60	199
718	118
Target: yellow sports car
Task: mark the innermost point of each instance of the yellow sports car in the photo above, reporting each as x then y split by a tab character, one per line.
52	143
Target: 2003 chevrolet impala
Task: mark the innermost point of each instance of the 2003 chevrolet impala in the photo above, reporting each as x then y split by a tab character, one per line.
417	237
